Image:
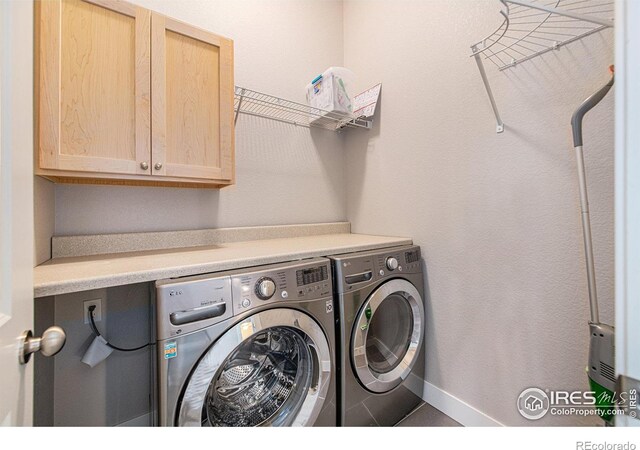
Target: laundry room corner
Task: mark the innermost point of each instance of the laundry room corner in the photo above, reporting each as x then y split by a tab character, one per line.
360	222
477	202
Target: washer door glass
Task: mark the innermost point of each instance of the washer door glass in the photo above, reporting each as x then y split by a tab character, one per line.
271	369
263	382
387	335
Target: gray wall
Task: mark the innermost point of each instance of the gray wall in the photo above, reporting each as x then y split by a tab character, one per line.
44	218
70	393
497	216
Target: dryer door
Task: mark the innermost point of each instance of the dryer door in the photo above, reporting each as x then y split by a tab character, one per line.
387	335
271	369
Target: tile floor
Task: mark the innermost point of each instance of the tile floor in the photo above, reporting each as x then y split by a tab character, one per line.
426	415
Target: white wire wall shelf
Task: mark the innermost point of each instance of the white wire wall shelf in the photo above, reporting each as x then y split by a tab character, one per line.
267	106
532	28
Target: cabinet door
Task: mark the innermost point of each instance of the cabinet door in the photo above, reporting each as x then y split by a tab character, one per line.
192	102
94	89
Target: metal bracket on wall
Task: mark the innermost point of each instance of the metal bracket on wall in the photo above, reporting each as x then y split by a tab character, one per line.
532	28
487	86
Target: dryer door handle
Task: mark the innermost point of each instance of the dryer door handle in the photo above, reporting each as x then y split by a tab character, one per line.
196	314
359	278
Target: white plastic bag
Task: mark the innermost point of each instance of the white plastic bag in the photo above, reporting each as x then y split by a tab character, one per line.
330	91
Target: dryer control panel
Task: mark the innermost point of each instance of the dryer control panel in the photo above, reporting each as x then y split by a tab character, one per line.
355	270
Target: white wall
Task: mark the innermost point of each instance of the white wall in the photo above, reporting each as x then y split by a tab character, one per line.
497	216
284	174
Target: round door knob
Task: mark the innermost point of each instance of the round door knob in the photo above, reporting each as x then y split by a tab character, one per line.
265	288
158	166
392	263
51	342
144	165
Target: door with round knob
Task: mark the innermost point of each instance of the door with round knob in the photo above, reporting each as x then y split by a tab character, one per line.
50	344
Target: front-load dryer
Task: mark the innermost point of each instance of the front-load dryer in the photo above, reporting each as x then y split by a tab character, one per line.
251	347
379	297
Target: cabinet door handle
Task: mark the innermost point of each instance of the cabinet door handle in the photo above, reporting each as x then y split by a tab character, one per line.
158	166
144	165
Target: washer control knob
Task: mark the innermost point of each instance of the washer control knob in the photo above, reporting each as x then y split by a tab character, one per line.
246	303
265	288
284	294
392	263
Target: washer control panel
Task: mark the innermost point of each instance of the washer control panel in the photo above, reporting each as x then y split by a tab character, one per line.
265	288
187	304
306	280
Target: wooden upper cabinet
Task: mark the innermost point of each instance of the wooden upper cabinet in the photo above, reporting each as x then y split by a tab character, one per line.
129	96
192	98
94	98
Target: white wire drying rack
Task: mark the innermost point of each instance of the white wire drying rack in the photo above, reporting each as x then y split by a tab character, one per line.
532	28
267	106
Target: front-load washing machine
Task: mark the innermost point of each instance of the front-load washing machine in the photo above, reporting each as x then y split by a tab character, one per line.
250	347
379	296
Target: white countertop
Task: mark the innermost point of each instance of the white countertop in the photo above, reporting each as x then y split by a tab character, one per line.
65	275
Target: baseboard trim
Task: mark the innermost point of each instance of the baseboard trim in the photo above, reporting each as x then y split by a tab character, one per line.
461	412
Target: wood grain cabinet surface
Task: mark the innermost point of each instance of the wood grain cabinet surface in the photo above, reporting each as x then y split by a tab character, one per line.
128	96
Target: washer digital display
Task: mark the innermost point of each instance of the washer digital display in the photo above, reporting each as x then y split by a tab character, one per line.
312	275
